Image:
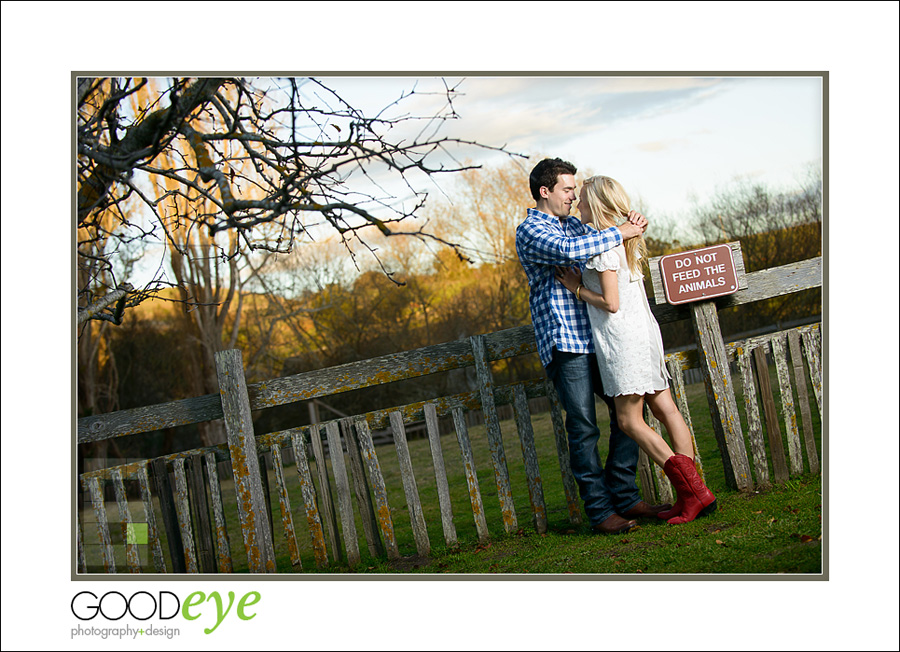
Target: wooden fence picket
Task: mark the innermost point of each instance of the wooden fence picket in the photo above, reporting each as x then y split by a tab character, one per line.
361	489
664	491
106	550
562	454
811	347
327	498
812	457
787	405
776	447
263	462
751	406
645	473
165	496
183	512
465	449
385	522
132	554
680	396
495	437
440	474
342	485
200	505
522	417
284	503
408	477
80	561
159	563
308	491
223	545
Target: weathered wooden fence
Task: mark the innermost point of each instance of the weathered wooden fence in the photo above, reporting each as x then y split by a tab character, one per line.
181	494
750	359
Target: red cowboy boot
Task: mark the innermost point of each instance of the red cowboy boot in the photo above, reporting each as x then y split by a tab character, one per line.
675	511
694	496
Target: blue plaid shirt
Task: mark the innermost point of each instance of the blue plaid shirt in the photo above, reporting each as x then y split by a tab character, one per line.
542	243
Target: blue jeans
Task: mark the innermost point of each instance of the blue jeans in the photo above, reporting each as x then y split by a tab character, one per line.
608	490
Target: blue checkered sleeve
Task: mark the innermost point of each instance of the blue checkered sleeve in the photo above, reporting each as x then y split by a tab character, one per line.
543	242
548	242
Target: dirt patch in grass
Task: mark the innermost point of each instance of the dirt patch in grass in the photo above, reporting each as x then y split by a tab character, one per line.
411	563
788	549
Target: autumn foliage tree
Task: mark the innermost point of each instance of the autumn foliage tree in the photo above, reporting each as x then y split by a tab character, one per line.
315	309
222	174
775	227
288	154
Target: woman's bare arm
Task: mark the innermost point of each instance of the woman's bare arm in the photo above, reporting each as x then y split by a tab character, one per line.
609	283
608	301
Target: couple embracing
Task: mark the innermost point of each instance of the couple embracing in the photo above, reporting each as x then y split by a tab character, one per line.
596	335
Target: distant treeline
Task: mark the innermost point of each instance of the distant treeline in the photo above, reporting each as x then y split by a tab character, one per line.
162	350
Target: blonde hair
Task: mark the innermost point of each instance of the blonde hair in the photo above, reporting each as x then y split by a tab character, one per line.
609	206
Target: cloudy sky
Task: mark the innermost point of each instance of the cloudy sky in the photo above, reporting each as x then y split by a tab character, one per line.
668	139
671	140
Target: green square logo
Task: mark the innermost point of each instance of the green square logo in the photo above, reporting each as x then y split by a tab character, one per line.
136	534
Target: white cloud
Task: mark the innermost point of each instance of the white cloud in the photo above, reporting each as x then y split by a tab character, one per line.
672	136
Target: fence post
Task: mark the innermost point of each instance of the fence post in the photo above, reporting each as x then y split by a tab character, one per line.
715	369
720	394
248	485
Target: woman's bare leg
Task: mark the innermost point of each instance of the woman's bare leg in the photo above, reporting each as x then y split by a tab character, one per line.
630	412
664	408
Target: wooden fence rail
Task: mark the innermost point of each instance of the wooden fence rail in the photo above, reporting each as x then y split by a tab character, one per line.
186	505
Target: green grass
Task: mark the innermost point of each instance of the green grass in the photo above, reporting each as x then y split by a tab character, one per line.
777	530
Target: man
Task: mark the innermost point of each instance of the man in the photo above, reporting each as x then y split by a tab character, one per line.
550	238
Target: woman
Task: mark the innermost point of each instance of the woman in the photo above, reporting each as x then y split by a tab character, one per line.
629	348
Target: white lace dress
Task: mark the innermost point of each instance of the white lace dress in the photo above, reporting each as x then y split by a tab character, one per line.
628	342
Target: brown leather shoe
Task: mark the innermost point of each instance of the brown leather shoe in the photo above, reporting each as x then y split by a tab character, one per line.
643	510
615	524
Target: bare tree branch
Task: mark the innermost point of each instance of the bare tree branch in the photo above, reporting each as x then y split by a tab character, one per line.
94	311
264	158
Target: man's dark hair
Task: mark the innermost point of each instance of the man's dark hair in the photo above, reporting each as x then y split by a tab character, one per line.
546	174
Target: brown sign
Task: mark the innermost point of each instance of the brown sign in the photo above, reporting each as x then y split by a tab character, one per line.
698	275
